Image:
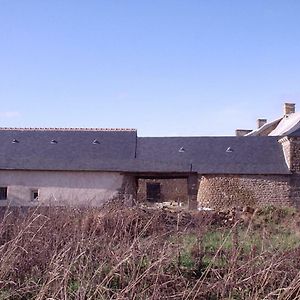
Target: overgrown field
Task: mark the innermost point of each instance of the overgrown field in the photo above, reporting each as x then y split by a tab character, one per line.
134	253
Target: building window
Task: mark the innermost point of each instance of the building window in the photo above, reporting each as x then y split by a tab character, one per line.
3	193
153	192
34	195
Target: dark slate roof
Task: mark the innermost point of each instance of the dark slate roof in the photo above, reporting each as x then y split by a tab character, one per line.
121	150
66	149
295	133
212	155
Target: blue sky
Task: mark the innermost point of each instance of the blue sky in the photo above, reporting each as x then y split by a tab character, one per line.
165	67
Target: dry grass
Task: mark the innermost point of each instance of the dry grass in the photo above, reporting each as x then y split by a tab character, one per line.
131	253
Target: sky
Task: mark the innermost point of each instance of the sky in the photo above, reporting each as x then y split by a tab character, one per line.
164	67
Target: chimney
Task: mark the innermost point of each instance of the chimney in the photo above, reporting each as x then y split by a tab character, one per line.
242	132
261	122
289	108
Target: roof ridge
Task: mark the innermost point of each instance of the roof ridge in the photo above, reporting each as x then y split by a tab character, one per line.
66	129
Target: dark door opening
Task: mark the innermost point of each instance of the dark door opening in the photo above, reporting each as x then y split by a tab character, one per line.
153	192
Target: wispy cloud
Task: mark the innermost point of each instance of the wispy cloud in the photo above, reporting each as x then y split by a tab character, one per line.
9	114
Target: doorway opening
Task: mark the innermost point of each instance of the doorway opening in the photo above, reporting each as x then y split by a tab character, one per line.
153	192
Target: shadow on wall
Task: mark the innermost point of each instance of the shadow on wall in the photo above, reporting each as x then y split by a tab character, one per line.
162	190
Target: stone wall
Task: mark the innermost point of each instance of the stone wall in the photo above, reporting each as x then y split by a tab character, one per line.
171	189
295	154
128	191
223	191
295	189
291	150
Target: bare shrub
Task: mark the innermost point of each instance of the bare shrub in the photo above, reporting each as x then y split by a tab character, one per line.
133	253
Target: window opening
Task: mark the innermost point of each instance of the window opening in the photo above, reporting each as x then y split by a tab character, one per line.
3	193
34	195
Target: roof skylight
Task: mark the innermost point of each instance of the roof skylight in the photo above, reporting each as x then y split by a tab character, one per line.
96	142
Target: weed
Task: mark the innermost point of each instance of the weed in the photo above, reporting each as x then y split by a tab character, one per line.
133	253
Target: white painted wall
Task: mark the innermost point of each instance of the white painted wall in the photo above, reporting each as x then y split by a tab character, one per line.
60	187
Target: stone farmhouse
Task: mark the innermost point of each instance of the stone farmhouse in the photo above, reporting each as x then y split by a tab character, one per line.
87	167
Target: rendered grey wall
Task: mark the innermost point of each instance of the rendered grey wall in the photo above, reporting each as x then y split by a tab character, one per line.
60	188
